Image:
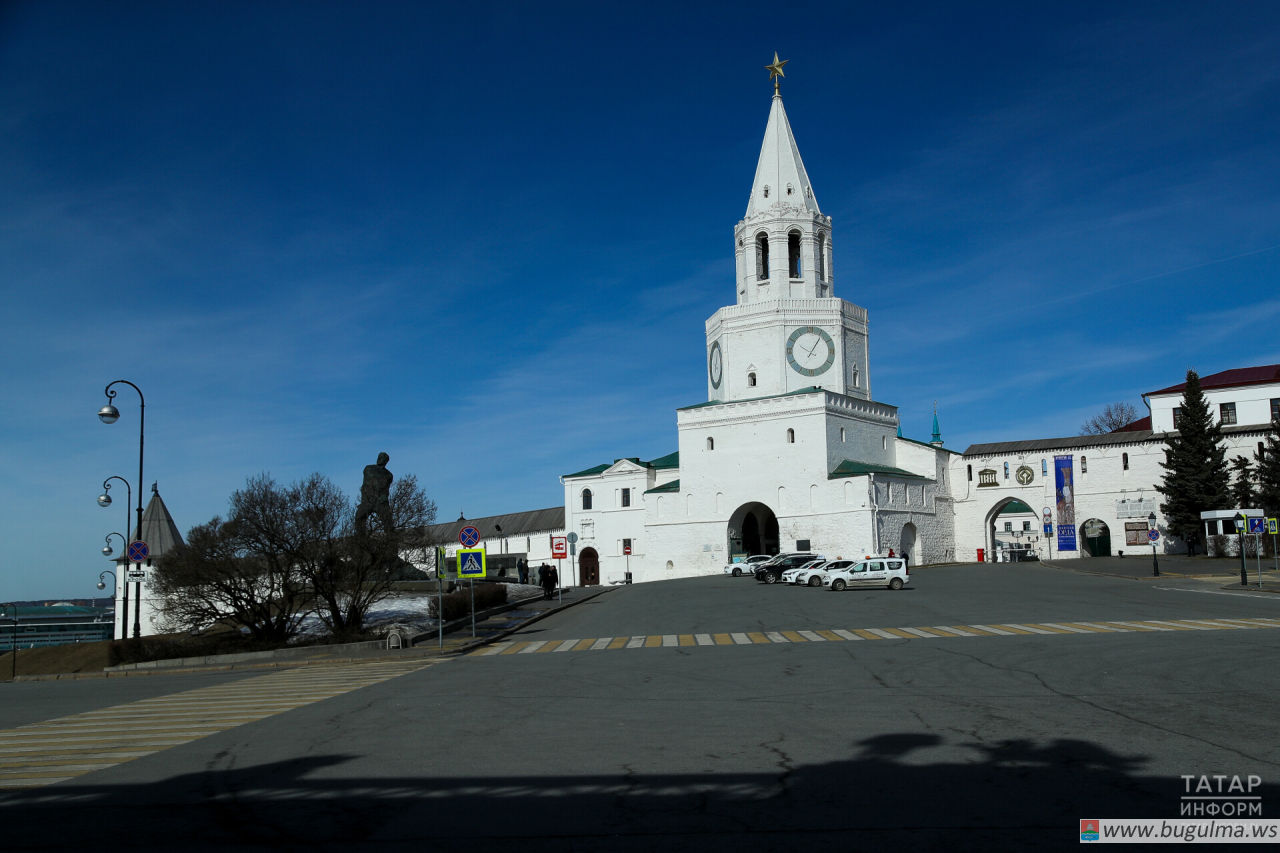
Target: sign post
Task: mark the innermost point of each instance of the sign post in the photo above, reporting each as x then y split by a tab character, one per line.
559	550
1242	522
471	565
1273	528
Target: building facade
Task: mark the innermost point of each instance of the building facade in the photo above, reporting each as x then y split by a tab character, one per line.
789	451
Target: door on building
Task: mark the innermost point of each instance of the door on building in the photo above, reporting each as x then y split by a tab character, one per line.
1095	538
589	567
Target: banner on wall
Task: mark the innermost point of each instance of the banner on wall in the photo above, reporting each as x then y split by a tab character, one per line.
1064	483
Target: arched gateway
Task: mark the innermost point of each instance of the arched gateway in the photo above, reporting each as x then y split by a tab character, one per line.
753	529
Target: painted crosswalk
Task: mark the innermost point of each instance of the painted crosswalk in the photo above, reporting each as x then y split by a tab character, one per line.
919	632
56	750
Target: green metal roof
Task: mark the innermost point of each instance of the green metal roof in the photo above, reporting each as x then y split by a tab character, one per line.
850	468
673	486
1014	507
812	389
671	460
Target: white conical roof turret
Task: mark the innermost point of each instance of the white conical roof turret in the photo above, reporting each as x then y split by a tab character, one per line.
780	168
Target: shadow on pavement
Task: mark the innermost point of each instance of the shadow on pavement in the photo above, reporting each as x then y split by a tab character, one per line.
886	795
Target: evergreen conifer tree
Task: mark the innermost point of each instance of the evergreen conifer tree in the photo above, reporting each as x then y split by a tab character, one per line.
1196	475
1242	492
1268	472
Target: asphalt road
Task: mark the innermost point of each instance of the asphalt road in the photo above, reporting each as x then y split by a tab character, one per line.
713	732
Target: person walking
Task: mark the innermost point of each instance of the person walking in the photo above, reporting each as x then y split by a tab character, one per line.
522	569
546	581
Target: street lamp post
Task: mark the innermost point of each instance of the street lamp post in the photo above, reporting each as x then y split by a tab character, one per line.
102	584
124	613
1155	561
104	500
13	652
109	414
1242	522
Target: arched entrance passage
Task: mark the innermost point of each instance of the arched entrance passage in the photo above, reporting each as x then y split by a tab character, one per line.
1095	538
1013	531
753	529
589	566
907	543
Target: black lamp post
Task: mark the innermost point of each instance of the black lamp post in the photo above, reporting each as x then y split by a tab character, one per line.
13	652
109	414
101	584
1242	523
1155	561
104	500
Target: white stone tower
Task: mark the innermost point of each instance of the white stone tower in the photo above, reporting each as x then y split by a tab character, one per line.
786	330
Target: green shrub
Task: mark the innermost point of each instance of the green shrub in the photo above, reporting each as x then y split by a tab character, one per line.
458	604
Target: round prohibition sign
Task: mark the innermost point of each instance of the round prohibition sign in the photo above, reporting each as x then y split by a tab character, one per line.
138	551
469	536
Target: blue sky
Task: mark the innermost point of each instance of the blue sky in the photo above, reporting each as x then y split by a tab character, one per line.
485	237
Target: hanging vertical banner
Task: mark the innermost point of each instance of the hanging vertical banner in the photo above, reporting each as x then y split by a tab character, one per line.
1064	483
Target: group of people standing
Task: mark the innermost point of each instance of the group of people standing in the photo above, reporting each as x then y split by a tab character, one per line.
548	577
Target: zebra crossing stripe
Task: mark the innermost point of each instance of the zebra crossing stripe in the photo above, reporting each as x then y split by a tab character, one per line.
194	710
1031	629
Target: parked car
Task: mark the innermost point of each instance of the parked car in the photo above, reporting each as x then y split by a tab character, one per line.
747	566
812	575
791	576
771	571
892	572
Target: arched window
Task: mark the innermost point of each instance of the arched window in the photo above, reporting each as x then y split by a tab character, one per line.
791	436
1084	465
751	380
821	256
1006	470
586	499
711	443
970	467
793	255
842	433
766	190
1124	460
762	256
853	375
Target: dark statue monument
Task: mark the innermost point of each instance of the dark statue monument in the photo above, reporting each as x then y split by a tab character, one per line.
375	495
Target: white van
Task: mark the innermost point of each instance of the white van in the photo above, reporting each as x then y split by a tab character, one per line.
892	572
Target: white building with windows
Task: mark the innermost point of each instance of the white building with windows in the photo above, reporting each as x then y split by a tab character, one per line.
789	451
1110	479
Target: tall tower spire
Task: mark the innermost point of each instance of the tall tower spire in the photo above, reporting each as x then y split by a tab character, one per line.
784	240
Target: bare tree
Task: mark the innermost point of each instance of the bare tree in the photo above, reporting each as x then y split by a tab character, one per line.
349	579
219	576
288	551
1113	417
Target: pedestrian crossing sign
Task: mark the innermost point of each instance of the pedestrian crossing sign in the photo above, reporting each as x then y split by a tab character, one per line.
471	563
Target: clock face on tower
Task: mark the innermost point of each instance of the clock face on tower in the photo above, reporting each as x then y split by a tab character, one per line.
810	351
715	365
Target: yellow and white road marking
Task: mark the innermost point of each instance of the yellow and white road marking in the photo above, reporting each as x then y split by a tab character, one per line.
55	750
930	632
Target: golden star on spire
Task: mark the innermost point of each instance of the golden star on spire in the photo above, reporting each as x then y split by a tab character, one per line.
775	70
